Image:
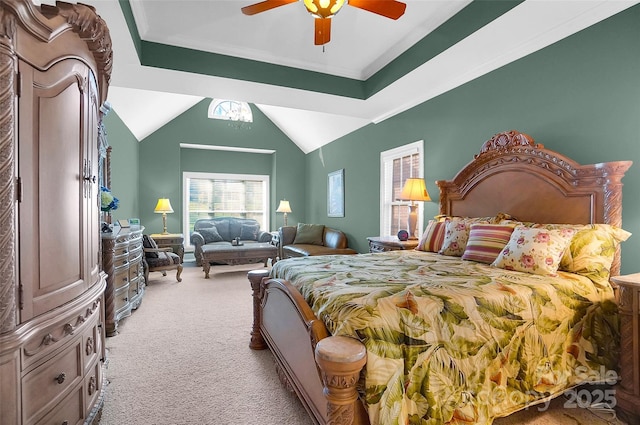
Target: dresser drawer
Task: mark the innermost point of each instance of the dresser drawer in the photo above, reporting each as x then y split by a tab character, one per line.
135	248
45	386
122	299
69	412
134	288
92	385
91	345
43	344
121	260
121	248
120	278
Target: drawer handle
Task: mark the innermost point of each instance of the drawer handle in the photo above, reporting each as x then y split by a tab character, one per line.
89	347
60	378
92	385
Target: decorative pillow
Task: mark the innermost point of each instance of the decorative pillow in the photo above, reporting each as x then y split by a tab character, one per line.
309	234
249	232
455	237
433	236
534	250
223	228
210	234
148	242
486	241
592	250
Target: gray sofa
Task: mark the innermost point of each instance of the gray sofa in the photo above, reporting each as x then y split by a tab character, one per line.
223	230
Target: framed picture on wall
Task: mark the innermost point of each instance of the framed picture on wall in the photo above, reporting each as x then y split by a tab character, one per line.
335	193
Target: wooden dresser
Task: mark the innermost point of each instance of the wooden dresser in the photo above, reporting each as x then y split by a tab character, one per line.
55	65
122	261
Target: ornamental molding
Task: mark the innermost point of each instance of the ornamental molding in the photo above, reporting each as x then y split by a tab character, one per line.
8	290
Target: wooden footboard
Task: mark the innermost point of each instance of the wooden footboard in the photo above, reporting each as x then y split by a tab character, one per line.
322	370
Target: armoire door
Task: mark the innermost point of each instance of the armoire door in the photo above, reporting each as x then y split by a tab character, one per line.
53	170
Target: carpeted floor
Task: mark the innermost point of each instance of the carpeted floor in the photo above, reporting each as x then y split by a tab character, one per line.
183	358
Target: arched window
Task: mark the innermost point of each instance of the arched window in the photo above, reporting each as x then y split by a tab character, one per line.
232	110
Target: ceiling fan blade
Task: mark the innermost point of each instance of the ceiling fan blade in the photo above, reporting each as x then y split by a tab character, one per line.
264	6
323	31
388	8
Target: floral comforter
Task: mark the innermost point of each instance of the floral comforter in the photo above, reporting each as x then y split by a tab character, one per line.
457	342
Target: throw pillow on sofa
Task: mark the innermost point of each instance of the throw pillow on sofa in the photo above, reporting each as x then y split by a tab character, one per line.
249	232
309	234
210	234
223	229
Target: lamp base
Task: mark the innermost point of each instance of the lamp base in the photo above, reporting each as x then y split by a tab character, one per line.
413	221
164	224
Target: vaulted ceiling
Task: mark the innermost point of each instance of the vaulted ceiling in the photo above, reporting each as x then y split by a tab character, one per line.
170	54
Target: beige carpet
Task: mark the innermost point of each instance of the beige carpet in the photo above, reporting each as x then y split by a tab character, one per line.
183	358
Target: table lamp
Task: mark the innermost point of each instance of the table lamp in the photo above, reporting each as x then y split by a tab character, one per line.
163	206
414	190
285	208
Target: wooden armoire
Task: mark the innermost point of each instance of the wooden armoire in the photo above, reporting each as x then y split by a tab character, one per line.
55	66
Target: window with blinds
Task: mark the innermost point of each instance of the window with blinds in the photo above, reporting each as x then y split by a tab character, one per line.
396	166
210	195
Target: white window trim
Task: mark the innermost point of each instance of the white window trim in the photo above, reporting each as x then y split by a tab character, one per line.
386	159
220	176
245	113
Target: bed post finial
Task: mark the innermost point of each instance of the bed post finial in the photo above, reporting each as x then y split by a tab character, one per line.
340	359
508	139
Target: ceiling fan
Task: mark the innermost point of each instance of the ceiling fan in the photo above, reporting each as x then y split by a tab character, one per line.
323	10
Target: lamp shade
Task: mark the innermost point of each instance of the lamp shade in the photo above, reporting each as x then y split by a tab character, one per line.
284	207
414	190
163	206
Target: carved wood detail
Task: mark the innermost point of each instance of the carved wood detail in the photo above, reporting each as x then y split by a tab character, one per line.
340	360
8	64
63	331
507	139
92	30
255	278
518	152
109	293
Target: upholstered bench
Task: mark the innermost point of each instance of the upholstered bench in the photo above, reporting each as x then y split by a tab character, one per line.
231	254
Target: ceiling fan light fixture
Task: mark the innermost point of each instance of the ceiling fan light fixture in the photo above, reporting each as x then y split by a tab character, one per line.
324	8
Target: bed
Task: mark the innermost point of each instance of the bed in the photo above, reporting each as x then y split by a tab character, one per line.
461	331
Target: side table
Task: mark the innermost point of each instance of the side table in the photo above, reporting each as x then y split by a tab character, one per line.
628	390
390	243
173	240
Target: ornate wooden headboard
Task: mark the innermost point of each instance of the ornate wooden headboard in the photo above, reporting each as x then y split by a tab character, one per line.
515	175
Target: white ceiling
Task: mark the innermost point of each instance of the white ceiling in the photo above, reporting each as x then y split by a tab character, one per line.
145	98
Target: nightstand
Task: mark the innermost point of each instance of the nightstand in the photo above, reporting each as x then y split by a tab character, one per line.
390	243
173	240
628	390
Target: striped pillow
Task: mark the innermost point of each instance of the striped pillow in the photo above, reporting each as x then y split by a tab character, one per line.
431	240
486	241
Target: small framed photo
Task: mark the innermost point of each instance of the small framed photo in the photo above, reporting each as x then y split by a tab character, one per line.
134	222
123	223
335	193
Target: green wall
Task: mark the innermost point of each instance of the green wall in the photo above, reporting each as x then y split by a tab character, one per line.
162	162
580	97
124	166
